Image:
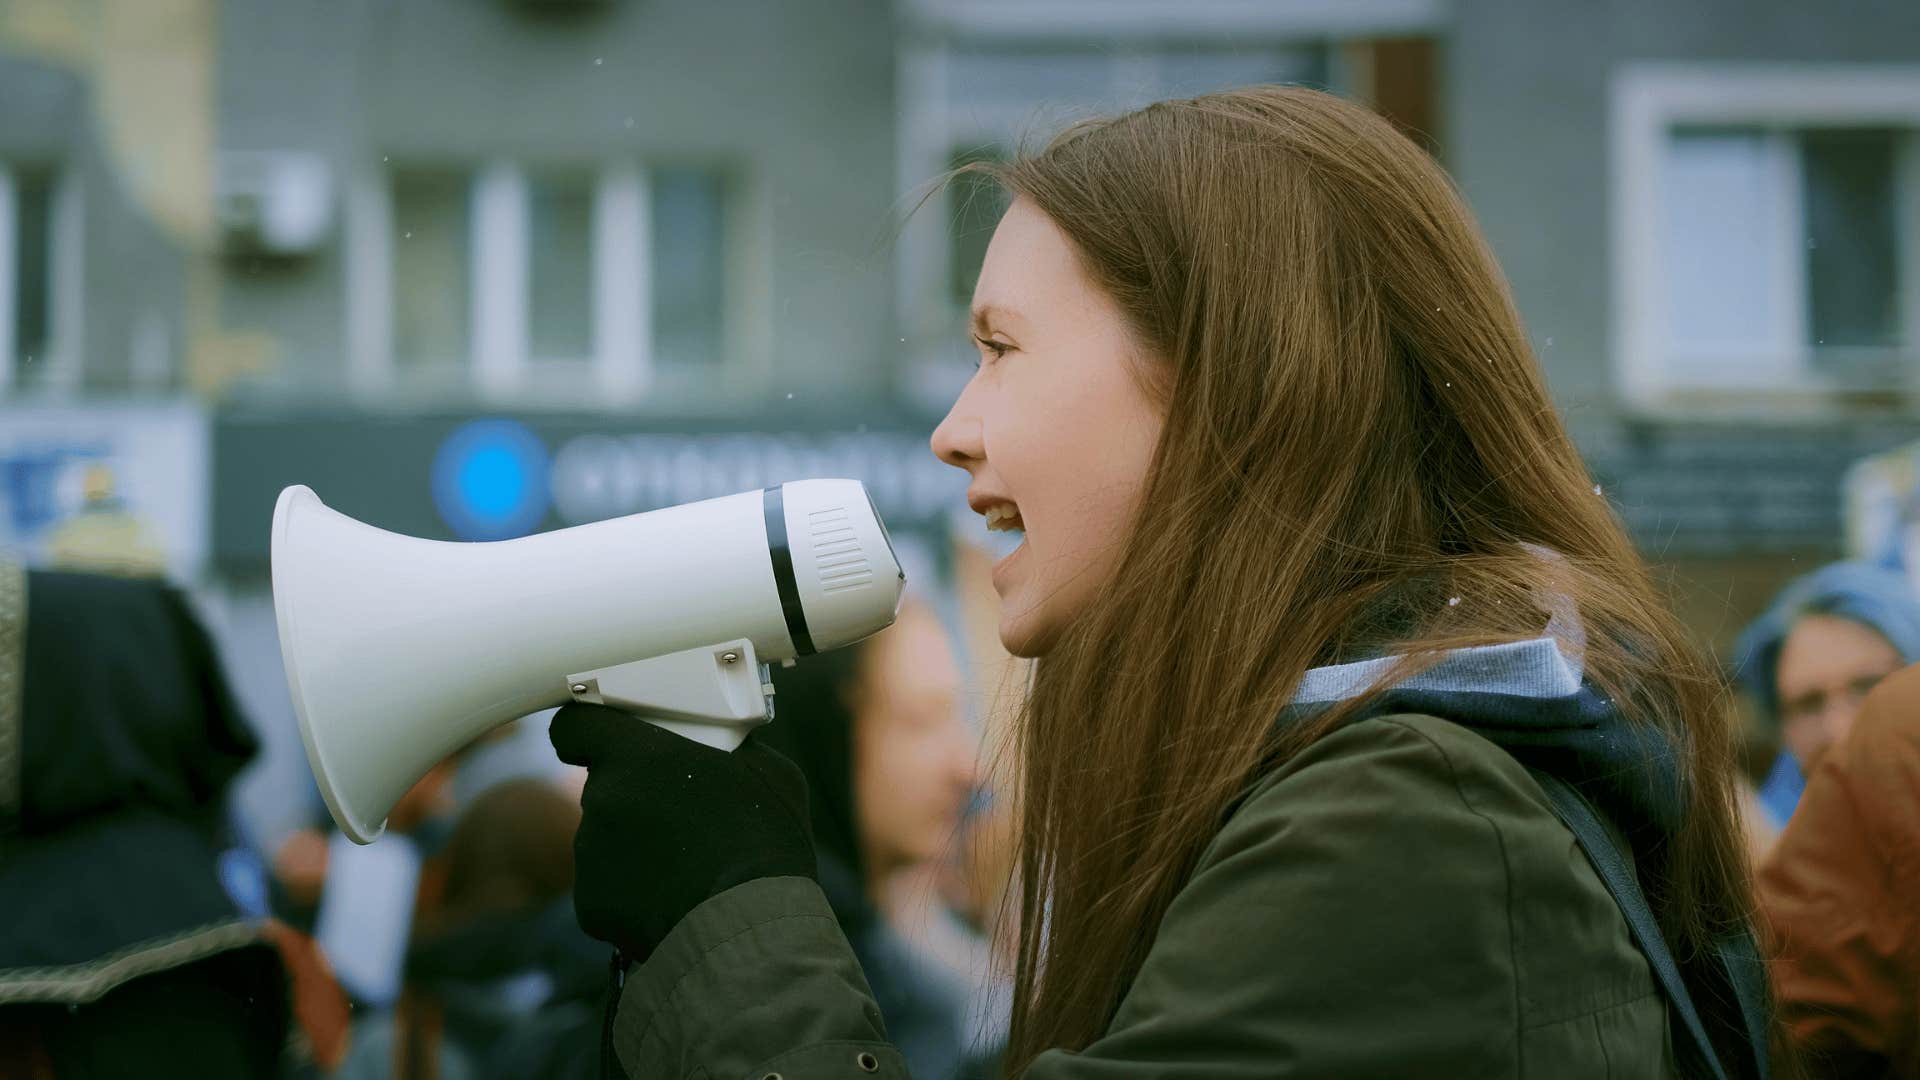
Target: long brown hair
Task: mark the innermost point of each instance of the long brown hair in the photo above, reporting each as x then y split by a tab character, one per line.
1356	433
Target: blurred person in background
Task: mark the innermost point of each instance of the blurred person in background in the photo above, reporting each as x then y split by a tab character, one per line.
889	759
425	815
499	980
1353	702
1842	895
422	817
132	944
1807	663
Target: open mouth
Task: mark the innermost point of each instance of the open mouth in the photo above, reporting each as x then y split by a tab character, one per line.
1004	518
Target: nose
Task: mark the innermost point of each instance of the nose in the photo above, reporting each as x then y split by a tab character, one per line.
958	440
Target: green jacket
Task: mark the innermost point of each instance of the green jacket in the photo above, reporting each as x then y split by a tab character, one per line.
1399	900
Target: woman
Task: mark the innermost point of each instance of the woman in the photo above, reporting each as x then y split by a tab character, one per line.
1309	566
1826	641
889	761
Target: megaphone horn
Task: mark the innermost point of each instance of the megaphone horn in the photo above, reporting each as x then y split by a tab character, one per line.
399	650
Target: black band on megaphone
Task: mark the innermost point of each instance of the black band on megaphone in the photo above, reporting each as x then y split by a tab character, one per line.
776	508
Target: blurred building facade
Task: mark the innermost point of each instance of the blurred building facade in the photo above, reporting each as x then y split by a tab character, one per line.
1708	214
475	267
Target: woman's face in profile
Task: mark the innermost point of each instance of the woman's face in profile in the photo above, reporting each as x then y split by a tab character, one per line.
1056	429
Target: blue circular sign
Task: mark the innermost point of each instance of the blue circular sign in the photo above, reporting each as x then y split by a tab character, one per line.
490	480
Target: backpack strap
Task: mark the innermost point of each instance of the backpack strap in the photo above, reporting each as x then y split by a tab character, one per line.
1746	973
1617	873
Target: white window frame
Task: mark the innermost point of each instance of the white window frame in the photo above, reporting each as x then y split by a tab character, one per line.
1647	102
501	366
62	362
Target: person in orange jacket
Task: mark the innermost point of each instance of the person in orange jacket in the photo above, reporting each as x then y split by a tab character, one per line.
1842	895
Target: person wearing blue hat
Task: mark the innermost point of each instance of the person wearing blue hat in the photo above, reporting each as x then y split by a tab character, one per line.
1828	639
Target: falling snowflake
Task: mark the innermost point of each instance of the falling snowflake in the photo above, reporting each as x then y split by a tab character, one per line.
1454	602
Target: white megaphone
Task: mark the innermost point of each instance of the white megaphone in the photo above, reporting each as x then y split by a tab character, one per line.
400	650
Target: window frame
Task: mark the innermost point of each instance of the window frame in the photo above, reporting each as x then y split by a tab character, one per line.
1648	102
502	367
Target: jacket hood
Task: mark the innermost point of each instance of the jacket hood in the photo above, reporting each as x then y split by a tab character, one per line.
119	703
1528	698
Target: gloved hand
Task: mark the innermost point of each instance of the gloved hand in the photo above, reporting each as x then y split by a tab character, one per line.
666	823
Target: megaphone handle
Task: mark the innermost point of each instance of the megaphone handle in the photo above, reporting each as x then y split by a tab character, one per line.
713	694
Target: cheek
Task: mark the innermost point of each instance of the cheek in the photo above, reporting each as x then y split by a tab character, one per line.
888	783
1073	438
1078	454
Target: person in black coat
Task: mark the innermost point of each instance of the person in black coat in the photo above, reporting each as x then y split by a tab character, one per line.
122	952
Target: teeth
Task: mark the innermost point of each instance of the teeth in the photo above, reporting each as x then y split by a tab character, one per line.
1003	518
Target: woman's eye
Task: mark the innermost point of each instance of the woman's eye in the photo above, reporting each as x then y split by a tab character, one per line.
992	348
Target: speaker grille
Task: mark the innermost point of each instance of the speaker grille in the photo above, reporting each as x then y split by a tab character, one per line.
837	555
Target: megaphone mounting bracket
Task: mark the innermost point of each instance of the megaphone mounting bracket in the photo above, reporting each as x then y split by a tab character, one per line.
713	694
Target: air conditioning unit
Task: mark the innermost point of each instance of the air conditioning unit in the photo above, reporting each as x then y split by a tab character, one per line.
277	203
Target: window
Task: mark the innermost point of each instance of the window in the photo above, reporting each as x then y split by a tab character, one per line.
32	276
1782	244
40	263
1768	238
538	283
432	268
688	266
1849	187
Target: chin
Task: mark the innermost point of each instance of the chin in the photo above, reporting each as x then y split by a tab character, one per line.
1025	636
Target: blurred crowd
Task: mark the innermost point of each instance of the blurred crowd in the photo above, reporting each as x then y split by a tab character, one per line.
449	948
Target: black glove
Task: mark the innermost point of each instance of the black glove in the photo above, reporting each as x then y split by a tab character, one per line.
666	823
